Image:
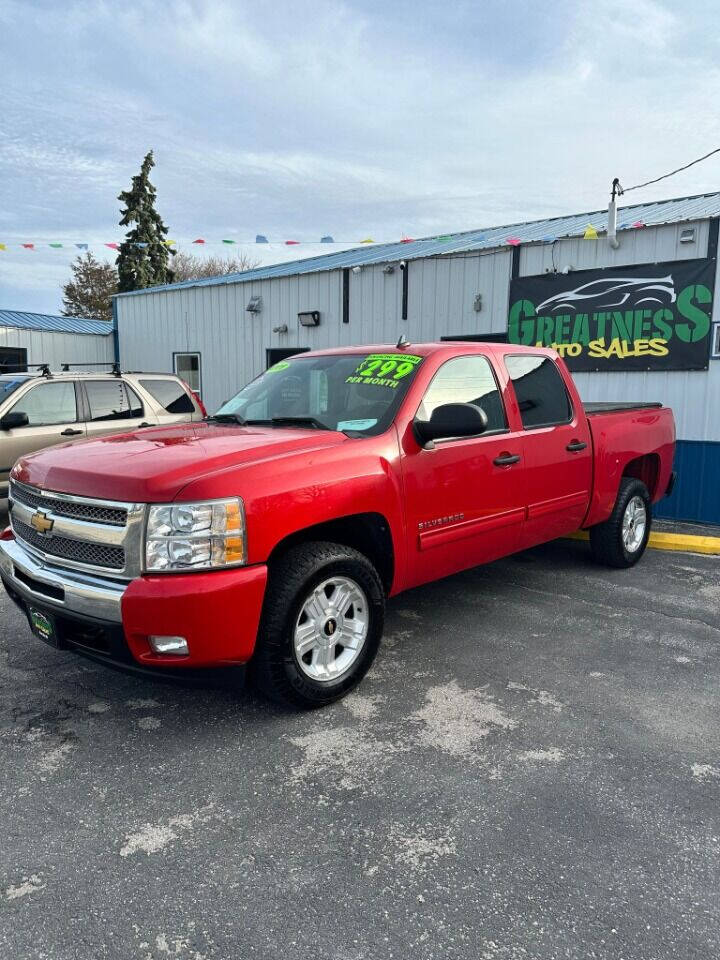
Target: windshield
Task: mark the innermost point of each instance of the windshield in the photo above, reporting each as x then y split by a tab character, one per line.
10	385
356	393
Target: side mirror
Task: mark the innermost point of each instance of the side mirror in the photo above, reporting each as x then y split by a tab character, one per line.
451	420
13	421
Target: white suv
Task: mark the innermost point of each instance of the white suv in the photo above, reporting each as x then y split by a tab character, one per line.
40	409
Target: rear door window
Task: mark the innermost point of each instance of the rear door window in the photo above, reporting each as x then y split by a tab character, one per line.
170	394
541	393
108	400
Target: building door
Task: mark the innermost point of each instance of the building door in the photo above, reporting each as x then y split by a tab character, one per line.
274	355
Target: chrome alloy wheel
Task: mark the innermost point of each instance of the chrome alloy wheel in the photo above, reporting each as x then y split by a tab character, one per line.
332	628
634	523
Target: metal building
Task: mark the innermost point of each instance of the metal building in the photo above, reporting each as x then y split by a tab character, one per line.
218	333
30	338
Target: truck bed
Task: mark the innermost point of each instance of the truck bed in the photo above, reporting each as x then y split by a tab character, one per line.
615	406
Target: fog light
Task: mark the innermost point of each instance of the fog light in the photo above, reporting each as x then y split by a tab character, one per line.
176	646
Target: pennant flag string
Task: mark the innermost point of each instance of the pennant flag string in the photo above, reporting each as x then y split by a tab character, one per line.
590	233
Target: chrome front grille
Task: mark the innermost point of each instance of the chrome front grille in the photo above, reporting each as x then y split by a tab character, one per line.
78	510
97	536
80	551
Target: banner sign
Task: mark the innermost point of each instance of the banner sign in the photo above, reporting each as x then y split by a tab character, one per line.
651	317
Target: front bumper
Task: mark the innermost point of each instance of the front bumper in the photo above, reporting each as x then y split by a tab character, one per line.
217	612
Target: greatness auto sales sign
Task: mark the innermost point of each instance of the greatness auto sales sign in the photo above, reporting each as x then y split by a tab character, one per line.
651	317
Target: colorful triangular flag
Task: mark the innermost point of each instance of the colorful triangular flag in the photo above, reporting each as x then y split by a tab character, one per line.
513	241
228	241
55	245
29	246
368	240
326	240
113	246
81	246
2	246
638	224
261	238
199	240
590	233
291	243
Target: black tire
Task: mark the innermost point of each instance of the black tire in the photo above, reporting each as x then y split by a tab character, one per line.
606	539
274	668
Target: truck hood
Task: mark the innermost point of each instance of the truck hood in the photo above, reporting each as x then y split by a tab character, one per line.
153	465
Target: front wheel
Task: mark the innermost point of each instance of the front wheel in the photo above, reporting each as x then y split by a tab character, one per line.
621	540
321	626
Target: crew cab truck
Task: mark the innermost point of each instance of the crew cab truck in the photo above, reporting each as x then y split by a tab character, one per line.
271	533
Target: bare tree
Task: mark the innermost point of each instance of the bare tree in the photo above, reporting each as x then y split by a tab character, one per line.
189	266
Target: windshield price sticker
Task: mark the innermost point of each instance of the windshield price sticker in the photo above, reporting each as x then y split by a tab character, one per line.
384	369
278	367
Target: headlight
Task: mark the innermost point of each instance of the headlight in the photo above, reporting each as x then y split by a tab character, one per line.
195	536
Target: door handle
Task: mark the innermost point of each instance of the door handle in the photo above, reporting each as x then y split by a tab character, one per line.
144	424
576	445
506	459
70	433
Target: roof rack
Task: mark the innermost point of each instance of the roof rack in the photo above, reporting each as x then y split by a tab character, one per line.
43	368
113	364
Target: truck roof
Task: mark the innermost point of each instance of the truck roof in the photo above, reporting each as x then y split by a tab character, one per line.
426	349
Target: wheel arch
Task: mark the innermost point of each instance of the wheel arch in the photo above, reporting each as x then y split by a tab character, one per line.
369	533
646	469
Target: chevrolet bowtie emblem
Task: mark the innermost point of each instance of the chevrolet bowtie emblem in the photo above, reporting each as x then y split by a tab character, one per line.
41	522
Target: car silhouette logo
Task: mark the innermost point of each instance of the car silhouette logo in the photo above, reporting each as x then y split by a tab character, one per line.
612	293
40	522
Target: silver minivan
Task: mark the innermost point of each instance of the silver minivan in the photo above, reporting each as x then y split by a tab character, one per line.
39	410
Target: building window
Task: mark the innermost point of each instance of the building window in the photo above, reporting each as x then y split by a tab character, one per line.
13	360
187	366
716	340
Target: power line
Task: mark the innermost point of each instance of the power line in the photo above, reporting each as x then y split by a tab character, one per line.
672	172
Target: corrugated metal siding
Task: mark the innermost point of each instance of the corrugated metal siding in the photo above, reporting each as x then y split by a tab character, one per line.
441	294
44	346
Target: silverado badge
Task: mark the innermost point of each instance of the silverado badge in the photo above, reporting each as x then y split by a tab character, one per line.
41	522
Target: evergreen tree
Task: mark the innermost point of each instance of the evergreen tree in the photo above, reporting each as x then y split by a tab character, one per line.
144	258
88	292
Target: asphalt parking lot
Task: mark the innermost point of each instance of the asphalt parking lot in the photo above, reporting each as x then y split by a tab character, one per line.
531	770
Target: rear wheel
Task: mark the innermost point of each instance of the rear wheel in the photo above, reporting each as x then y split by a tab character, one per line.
321	627
621	540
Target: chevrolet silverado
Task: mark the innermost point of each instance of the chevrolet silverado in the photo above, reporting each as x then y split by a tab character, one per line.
271	533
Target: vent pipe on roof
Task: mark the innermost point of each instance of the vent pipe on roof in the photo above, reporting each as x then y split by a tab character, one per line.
617	191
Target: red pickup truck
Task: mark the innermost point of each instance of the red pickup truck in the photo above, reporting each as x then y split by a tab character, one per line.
271	533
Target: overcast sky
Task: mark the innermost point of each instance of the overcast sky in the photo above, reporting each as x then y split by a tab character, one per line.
378	118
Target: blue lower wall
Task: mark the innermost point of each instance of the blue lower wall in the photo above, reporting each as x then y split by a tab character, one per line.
696	496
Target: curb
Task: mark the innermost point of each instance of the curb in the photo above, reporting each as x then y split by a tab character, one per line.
680	542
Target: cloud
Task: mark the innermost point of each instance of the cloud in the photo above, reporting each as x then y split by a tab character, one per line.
349	118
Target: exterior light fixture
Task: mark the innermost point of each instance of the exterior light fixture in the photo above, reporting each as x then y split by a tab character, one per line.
389	268
688	235
310	318
254	305
477	303
283	328
356	269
